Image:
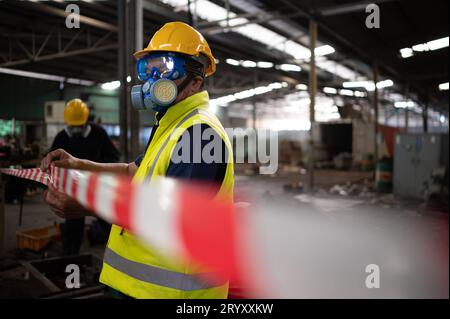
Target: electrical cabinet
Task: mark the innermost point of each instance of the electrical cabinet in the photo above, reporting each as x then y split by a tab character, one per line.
415	158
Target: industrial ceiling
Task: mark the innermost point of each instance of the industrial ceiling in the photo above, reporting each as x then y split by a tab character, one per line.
35	39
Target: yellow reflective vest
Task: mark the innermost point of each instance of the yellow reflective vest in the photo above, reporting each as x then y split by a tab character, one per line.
133	267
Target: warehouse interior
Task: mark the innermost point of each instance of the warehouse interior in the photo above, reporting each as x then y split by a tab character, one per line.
355	93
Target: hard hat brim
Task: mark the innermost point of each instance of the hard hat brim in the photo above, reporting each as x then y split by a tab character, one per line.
139	54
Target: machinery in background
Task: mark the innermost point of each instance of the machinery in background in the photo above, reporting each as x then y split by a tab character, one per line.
54	119
420	162
19	142
15	151
47	278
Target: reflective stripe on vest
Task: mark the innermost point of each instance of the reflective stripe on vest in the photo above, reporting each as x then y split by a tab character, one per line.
157	276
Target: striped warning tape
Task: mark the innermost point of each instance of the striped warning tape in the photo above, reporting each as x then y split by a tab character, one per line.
174	218
275	249
34	174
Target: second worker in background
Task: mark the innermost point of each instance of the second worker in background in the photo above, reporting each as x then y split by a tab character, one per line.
84	140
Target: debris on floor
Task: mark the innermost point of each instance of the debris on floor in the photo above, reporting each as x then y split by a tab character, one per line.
361	189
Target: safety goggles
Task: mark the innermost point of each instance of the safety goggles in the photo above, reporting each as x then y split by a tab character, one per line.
160	65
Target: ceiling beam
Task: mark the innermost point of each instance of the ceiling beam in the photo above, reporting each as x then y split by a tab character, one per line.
367	57
60	55
349	7
213	27
44	8
164	11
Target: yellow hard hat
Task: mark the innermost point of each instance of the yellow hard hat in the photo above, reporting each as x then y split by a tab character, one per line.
76	113
180	38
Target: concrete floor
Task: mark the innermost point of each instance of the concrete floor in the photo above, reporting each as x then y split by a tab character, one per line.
15	279
367	207
406	237
36	214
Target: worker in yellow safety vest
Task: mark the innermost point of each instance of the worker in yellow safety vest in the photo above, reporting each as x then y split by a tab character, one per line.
187	142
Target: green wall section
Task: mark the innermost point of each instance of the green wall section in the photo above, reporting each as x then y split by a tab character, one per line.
24	99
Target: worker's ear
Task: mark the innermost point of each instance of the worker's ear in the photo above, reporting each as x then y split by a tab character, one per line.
196	85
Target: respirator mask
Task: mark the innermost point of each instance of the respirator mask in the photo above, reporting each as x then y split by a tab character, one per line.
158	71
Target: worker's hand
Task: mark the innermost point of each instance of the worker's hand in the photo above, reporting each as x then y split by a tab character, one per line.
63	205
60	158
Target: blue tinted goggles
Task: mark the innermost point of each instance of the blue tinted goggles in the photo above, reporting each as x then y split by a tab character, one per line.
159	66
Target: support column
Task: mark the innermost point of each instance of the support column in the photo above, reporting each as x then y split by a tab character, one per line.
376	111
135	23
425	115
312	96
255	83
255	131
130	29
122	75
407	110
190	15
2	216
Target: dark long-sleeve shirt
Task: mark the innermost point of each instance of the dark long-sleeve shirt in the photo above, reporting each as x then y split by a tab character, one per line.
211	174
96	146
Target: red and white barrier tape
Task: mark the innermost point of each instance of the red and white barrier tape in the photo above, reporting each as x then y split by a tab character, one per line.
34	174
172	217
277	250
